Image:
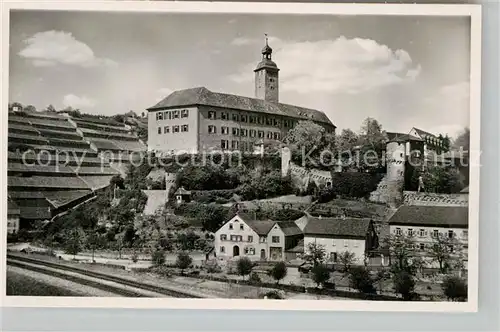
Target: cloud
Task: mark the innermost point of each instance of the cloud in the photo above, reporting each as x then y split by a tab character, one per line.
340	66
78	102
162	93
240	41
50	48
450	104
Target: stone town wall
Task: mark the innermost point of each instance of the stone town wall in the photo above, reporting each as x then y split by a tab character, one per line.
303	176
432	199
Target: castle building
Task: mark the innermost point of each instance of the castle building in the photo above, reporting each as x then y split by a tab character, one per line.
197	119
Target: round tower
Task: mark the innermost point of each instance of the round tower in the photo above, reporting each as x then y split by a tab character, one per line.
395	162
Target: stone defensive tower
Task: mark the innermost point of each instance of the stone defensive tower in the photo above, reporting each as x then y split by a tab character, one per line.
395	178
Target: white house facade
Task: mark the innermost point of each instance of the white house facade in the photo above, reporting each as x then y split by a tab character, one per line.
338	235
425	224
242	236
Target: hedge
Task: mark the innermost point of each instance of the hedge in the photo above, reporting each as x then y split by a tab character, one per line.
295	288
350	184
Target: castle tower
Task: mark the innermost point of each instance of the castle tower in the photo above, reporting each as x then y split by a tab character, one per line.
395	160
266	77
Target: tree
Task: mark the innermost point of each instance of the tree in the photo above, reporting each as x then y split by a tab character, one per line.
444	251
462	142
244	266
372	135
307	141
402	255
320	274
439	179
404	284
346	141
93	242
183	261
315	253
117	181
278	271
74	241
361	280
347	259
158	257
381	277
29	108
51	108
454	289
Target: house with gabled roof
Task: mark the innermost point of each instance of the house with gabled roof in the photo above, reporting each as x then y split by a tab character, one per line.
338	235
426	223
264	240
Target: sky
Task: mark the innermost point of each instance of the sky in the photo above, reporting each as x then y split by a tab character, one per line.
403	71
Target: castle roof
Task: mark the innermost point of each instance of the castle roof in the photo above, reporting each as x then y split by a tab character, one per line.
202	96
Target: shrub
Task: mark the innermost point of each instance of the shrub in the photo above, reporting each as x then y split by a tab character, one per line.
278	271
454	289
361	280
134	257
320	274
404	284
254	278
274	295
213	268
350	184
244	266
183	261
158	257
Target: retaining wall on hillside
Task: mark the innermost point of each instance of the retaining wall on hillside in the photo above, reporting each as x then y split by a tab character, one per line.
422	198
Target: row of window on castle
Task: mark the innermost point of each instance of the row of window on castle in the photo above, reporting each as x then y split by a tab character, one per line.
245	132
236	145
423	233
224	131
212	115
175	129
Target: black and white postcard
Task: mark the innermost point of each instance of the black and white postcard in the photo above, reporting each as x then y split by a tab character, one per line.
241	155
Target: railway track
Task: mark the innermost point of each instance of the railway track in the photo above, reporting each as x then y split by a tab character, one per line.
38	266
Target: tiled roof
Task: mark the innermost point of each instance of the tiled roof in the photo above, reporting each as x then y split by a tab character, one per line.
182	191
337	227
61	198
97	182
431	216
261	227
402	137
299	248
424	133
203	96
290	228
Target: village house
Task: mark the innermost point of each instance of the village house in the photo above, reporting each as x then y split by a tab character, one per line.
263	240
182	196
426	223
338	235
